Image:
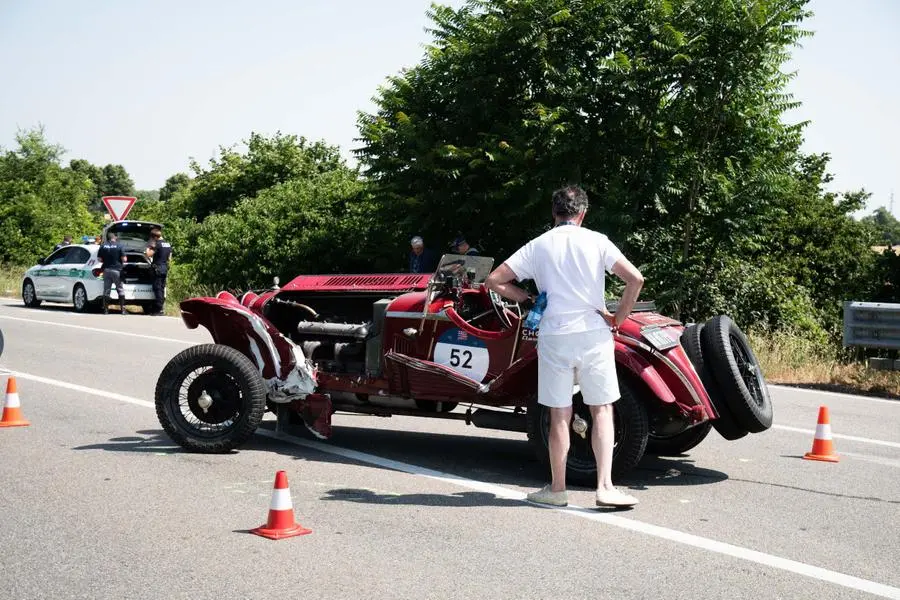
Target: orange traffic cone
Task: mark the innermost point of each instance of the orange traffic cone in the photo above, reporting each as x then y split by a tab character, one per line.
822	448
12	411
281	523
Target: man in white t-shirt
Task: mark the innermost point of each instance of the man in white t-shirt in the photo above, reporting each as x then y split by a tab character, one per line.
575	343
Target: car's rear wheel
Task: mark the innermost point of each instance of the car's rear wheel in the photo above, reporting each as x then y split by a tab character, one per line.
210	398
630	441
80	299
29	295
726	424
736	370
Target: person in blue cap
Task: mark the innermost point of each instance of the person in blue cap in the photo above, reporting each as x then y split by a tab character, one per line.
461	246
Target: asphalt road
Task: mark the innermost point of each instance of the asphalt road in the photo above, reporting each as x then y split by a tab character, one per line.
98	503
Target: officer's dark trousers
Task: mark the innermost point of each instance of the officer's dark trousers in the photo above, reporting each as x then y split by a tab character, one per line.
159	292
113	277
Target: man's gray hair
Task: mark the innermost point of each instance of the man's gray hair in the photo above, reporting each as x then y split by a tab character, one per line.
417	241
569	201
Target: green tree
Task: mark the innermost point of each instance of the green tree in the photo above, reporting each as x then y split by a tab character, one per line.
670	114
268	161
173	185
110	180
40	201
885	225
303	225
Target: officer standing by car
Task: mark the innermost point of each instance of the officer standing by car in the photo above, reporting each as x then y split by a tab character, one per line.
160	252
113	259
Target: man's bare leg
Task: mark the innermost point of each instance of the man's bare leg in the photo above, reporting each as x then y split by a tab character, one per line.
559	446
602	440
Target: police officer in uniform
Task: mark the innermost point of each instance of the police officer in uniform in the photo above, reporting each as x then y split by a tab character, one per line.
160	251
112	257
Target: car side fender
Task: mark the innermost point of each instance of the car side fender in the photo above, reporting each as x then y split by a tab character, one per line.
279	360
633	362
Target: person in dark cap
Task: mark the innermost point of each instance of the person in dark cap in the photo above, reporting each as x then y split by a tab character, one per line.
461	246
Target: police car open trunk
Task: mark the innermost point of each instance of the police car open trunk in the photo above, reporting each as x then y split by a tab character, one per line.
135	237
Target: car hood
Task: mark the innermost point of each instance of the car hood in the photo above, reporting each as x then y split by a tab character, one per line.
133	235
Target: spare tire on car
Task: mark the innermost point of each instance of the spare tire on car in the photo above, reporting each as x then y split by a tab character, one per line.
725	424
738	375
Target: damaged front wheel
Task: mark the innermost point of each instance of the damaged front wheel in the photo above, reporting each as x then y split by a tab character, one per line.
210	398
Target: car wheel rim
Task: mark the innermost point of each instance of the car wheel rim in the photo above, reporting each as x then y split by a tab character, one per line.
210	402
80	298
28	293
748	369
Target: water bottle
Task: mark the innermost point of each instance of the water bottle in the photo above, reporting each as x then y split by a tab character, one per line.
537	311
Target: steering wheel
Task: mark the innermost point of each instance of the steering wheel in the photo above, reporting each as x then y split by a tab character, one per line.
456	319
500	309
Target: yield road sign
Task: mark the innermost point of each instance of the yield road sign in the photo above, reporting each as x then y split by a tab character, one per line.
118	206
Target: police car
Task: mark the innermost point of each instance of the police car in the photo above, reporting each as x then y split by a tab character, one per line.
71	274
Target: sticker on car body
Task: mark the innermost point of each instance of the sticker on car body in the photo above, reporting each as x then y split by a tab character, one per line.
464	353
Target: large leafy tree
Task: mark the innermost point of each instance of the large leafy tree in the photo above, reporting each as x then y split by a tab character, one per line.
885	225
173	185
282	207
109	180
40	201
670	113
267	161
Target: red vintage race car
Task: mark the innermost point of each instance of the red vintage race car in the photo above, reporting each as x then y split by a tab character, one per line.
443	346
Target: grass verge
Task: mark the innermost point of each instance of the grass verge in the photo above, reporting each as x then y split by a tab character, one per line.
792	360
11	280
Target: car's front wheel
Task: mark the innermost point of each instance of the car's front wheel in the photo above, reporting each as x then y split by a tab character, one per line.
210	398
29	295
630	437
80	299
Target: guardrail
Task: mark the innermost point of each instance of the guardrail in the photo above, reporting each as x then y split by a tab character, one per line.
873	325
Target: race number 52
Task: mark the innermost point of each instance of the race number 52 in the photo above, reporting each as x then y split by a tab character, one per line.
465	354
461	358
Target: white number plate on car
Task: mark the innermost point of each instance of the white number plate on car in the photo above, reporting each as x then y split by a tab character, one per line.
660	338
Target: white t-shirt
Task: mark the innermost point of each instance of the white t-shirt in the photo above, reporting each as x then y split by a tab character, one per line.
570	264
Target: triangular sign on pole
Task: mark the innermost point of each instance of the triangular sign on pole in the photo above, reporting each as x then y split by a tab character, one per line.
118	206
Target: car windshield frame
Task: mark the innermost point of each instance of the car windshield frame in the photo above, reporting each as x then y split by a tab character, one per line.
470	270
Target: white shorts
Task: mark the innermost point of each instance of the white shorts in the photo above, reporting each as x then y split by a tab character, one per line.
586	359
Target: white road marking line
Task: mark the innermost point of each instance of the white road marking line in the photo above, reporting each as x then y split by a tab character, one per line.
80	388
840	436
17	302
790	388
880	460
680	537
126	333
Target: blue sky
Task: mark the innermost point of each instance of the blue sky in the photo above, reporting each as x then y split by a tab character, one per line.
150	84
